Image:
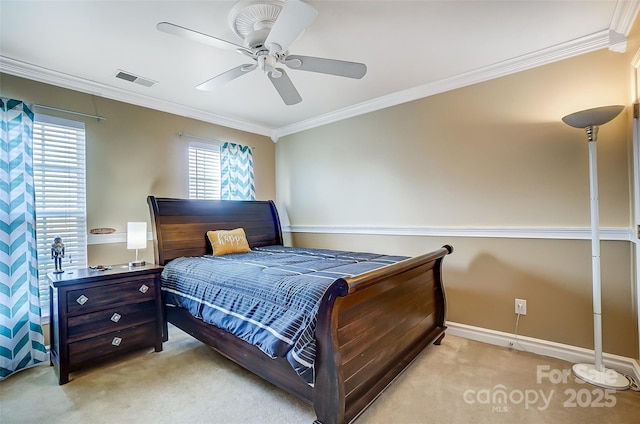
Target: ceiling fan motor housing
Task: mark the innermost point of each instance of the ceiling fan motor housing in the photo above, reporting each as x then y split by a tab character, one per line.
252	20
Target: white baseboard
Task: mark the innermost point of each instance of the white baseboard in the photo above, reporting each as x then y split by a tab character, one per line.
573	354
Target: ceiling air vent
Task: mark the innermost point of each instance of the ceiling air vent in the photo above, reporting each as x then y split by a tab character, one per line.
127	76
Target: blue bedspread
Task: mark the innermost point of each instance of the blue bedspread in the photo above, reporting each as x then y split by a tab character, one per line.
268	297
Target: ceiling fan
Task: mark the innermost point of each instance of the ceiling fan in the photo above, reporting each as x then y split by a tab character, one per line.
268	28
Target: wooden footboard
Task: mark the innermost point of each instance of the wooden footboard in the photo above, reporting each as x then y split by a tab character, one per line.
370	329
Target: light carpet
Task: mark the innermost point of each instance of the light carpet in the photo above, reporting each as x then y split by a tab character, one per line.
461	381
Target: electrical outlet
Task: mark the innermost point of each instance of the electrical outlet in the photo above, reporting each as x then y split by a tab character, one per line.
521	307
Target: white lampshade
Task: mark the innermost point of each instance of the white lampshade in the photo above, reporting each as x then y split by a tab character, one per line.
593	117
136	235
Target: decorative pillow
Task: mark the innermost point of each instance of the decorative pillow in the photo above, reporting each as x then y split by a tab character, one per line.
228	241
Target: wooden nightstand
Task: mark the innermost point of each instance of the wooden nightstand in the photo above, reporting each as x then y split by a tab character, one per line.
99	315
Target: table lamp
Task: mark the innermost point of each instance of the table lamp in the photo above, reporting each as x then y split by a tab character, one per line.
136	239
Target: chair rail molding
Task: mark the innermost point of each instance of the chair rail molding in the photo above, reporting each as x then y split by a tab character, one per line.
568	233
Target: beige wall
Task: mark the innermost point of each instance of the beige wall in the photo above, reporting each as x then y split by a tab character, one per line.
134	153
494	154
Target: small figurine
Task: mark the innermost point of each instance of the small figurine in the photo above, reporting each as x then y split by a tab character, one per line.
57	253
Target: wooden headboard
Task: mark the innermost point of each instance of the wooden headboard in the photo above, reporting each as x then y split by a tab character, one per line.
180	225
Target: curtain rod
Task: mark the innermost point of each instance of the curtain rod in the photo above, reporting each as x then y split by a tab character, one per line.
99	118
184	134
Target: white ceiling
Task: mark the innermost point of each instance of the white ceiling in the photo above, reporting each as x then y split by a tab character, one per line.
412	49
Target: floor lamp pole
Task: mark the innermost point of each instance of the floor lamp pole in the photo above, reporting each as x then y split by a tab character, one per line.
596	374
595	248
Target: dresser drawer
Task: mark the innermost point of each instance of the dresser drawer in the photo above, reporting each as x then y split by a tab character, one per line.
90	351
108	320
120	292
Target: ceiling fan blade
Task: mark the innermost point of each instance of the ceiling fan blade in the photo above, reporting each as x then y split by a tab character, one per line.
200	37
285	88
326	66
293	19
225	77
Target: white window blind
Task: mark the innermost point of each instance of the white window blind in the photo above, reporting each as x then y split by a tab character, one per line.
204	171
60	188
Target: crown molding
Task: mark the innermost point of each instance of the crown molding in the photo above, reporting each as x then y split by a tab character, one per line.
48	76
623	16
590	43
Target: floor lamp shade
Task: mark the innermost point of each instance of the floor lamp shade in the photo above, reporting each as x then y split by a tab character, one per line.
593	117
136	239
596	374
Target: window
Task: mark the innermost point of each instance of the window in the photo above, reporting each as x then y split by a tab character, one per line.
59	183
221	171
204	171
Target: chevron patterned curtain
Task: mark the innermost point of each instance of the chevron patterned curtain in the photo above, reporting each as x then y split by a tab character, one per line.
236	173
21	337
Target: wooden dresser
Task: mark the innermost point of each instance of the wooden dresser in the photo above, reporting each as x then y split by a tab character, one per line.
99	315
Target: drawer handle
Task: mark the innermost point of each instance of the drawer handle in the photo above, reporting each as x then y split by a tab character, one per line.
116	317
116	341
82	299
144	288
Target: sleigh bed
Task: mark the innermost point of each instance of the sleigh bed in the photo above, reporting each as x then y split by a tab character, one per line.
367	329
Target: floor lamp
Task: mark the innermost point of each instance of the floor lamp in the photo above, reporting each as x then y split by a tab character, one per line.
596	374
